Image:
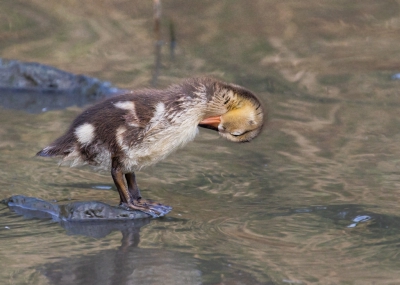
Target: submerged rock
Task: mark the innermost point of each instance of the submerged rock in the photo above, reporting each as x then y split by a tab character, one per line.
32	207
35	87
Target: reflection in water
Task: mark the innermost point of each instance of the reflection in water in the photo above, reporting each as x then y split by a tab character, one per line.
126	265
100	229
37	102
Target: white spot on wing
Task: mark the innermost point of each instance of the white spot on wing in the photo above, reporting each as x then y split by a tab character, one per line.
129	106
85	133
125	105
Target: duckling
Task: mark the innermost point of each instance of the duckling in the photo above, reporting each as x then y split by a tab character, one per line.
128	132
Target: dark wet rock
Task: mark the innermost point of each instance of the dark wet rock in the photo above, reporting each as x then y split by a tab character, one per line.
79	211
31	75
32	207
35	87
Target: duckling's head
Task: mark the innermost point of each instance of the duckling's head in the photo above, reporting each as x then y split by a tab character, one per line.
243	123
243	116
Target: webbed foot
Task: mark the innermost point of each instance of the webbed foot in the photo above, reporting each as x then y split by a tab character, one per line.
154	209
130	197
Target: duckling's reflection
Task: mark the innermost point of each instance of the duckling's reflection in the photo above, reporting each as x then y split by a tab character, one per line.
99	229
125	264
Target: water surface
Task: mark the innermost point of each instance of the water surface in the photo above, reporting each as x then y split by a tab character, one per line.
313	200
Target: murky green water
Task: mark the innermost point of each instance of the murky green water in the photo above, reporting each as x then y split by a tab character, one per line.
314	200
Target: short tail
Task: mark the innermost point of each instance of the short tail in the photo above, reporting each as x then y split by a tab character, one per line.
49	151
61	147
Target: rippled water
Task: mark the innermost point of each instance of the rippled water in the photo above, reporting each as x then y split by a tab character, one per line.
314	200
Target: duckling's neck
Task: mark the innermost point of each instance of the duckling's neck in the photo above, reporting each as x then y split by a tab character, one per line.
218	98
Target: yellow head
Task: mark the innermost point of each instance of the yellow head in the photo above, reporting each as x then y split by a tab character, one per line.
243	118
243	123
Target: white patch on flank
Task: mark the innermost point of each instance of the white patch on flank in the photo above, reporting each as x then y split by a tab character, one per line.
85	133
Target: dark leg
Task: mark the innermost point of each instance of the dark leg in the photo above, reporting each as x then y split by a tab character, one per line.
130	196
118	178
132	186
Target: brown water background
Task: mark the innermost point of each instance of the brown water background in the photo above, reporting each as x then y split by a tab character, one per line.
313	200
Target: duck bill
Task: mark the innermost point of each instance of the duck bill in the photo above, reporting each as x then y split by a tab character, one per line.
211	123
